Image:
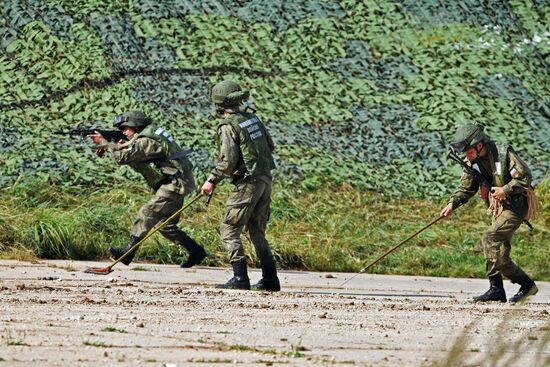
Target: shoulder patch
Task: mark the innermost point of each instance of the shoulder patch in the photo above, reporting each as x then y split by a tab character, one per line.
515	173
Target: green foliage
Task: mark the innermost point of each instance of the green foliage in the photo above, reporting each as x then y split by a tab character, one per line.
57	64
377	85
317	229
97	344
500	343
112	329
358	94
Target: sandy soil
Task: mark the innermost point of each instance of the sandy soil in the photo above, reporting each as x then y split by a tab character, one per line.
53	314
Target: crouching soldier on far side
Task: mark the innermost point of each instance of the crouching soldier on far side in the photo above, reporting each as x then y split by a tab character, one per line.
153	152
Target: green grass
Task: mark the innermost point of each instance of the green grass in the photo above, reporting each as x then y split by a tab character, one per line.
208	361
505	350
97	344
18	343
112	329
140	268
296	350
328	229
247	348
241	347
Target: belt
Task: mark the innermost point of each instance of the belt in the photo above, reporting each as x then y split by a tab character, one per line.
166	179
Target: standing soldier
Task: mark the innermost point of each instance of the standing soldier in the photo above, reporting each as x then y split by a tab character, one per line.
245	155
152	152
511	200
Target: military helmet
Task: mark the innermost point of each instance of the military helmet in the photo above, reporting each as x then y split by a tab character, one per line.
131	119
228	94
467	136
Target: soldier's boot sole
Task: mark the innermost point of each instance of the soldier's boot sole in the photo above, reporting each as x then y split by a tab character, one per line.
490	296
267	286
118	252
194	258
522	296
235	283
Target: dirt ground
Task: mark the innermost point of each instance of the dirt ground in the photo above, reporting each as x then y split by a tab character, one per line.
53	314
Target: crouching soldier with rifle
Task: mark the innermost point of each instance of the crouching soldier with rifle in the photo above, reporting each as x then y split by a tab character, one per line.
504	181
245	155
152	152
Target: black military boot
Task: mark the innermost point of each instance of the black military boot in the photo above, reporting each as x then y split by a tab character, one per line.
527	288
240	277
196	251
269	281
496	291
118	252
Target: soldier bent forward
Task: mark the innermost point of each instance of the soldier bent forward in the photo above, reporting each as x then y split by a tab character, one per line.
511	200
153	152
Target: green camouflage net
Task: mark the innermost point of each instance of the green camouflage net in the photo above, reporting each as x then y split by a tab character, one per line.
475	12
14	15
175	9
126	50
367	93
188	94
284	14
387	73
535	112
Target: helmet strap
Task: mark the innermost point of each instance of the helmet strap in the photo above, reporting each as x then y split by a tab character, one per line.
478	151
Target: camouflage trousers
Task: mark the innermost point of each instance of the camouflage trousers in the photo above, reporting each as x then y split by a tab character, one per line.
165	202
248	205
496	246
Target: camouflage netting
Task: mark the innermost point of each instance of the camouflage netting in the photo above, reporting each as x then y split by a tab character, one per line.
359	92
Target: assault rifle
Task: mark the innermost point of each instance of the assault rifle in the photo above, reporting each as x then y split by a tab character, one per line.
483	181
110	135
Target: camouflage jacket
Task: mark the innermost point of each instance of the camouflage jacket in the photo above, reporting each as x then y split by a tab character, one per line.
503	168
142	154
232	140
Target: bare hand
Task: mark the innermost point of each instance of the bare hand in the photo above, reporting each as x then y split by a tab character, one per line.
447	211
207	188
97	138
498	193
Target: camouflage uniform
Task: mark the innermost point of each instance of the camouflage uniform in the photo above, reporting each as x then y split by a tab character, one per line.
503	168
496	239
249	203
245	155
154	154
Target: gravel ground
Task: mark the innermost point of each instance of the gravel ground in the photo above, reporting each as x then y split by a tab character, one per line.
53	314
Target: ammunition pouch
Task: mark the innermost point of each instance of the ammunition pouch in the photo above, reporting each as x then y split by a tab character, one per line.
166	179
520	203
238	177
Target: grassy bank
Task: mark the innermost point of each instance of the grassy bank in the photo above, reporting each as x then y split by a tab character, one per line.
339	229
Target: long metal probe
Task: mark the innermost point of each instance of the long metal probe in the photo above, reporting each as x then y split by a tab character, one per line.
394	248
108	269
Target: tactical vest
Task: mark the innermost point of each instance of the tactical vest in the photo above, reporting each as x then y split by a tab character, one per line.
500	175
498	161
256	158
156	170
